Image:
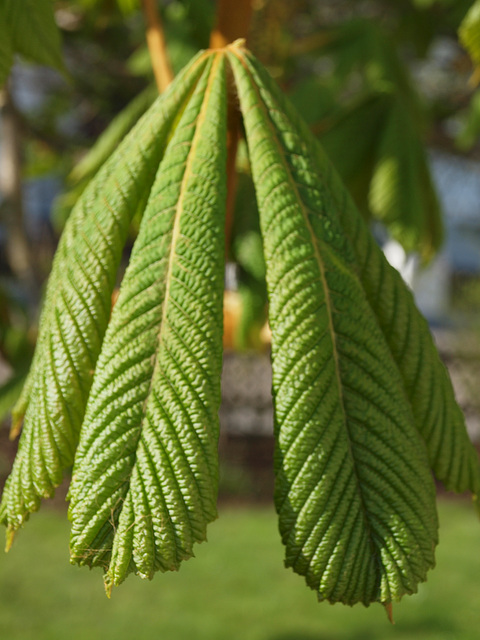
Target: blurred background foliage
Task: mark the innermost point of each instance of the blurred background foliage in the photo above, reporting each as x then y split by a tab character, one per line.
236	587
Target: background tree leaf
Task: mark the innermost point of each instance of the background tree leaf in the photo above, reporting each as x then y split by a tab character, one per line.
6	52
33	31
401	193
362	122
354	494
386	170
314	99
145	476
113	135
126	6
361	46
78	304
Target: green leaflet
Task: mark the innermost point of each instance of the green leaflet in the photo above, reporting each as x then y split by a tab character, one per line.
77	307
145	475
438	418
33	31
355	498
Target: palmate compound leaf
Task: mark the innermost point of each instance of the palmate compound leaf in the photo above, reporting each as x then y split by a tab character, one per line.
77	307
354	494
438	418
145	476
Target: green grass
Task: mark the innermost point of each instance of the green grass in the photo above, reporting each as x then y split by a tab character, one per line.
235	589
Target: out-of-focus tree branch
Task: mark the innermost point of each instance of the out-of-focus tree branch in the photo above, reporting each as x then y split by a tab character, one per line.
157	47
233	22
18	252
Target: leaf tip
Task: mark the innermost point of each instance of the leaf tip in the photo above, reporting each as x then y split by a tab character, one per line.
476	503
17	422
389	610
9	537
240	43
474	79
108	584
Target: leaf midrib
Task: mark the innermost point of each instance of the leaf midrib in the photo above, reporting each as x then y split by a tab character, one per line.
172	251
328	302
176	227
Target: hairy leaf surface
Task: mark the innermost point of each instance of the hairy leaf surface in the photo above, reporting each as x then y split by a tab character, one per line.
363	406
78	304
145	476
438	417
354	493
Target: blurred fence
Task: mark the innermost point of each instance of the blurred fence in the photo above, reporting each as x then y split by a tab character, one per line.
247	409
460	351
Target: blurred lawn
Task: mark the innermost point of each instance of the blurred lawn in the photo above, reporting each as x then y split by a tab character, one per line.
235	589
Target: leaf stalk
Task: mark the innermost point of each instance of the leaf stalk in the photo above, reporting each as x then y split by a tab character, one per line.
157	46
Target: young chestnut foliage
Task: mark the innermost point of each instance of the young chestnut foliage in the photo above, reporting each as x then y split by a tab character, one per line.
364	409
